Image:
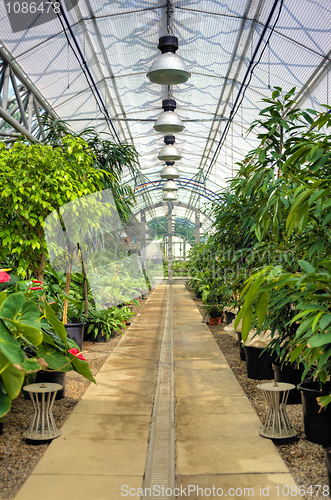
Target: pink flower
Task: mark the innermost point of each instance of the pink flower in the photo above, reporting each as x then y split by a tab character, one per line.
36	288
75	352
4	277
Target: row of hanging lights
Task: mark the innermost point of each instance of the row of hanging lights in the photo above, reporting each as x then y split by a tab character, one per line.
169	69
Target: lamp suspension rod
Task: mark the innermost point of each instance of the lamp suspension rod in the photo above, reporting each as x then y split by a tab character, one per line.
88	71
233	110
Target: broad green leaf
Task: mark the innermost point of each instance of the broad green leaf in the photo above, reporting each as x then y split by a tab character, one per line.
306	266
238	318
325	321
12	377
3	296
246	323
9	346
319	340
262	306
326	220
57	325
54	358
82	367
316	319
12	306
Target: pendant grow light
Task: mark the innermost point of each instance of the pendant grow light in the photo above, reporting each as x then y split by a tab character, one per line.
169	121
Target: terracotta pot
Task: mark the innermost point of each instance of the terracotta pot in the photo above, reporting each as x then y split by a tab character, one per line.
215	321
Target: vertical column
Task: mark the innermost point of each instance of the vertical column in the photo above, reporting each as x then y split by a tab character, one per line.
142	236
197	228
170	241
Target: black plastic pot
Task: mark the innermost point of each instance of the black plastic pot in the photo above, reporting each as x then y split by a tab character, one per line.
290	375
75	332
1	428
229	317
259	366
53	377
317	420
241	347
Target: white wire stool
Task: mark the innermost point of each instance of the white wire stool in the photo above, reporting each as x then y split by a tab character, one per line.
42	426
276	423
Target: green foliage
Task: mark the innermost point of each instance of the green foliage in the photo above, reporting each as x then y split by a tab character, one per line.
35	181
31	337
107	157
105	321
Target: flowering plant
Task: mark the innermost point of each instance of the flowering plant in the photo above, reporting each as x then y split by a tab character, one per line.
32	339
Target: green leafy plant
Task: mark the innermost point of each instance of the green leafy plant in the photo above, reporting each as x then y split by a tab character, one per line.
35	181
31	339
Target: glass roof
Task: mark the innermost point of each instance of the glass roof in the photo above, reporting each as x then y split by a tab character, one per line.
217	41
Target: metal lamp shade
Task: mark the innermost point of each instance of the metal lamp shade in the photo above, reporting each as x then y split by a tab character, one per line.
169	153
168	69
169	122
170	185
170	196
169	172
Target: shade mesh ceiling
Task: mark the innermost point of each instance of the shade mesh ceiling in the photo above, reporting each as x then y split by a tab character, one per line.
216	40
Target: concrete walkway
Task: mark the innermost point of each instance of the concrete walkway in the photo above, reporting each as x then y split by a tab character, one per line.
102	452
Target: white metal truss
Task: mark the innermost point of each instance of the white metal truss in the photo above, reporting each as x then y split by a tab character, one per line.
21	106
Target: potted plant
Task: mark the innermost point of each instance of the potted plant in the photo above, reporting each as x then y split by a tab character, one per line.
28	322
214	312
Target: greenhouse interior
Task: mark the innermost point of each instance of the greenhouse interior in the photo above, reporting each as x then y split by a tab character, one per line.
165	229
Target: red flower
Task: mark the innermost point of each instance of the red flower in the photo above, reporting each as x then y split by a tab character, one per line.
4	277
36	288
75	352
36	281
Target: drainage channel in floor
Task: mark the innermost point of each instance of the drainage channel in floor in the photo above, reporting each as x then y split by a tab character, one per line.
160	464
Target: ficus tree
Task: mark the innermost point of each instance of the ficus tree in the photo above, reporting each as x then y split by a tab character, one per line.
36	180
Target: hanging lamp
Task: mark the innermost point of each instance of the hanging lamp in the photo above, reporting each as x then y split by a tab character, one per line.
169	121
170	171
168	68
170	185
170	196
169	152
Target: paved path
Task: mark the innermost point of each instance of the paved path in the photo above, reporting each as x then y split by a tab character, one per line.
102	453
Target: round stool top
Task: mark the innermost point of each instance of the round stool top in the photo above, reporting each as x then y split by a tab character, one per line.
275	386
42	387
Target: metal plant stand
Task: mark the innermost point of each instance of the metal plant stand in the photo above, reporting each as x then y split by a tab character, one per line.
276	424
42	426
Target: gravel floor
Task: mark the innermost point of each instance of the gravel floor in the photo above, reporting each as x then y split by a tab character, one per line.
304	459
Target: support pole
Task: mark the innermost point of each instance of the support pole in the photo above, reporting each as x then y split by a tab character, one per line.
170	241
197	228
142	236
